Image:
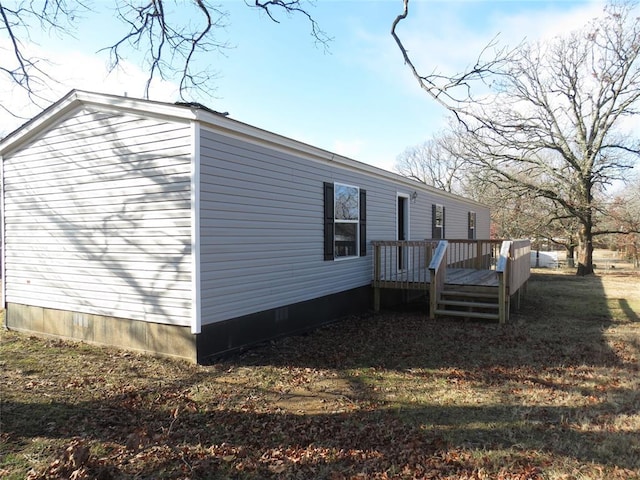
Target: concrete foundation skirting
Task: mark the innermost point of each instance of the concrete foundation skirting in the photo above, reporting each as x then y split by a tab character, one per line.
159	339
217	339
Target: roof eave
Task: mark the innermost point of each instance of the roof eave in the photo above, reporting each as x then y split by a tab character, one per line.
242	129
76	98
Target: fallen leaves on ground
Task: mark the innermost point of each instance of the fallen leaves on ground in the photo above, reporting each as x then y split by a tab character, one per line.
391	396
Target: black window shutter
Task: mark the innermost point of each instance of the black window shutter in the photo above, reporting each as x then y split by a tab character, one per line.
444	222
434	232
328	221
363	223
469	229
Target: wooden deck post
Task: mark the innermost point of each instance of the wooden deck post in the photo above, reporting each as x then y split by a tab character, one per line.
376	299
502	269
433	296
376	266
517	299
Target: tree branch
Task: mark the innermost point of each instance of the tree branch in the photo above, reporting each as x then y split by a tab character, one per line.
442	88
294	7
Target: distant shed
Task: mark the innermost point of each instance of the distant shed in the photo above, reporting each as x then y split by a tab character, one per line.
172	229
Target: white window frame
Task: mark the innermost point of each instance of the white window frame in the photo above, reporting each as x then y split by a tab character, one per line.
472	215
441	208
441	226
354	222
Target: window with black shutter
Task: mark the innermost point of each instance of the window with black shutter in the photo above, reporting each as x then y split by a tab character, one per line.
363	223
437	222
472	225
345	221
328	221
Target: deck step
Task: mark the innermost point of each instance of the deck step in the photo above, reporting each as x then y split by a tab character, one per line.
483	289
456	303
467	294
458	313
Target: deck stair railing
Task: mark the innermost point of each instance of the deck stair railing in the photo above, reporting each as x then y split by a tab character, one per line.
422	265
502	269
513	269
437	276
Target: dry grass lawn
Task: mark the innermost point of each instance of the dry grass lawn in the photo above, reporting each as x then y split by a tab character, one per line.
553	395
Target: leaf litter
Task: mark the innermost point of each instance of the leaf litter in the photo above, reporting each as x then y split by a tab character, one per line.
553	395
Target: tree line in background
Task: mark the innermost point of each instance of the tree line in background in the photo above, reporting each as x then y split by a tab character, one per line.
438	162
542	134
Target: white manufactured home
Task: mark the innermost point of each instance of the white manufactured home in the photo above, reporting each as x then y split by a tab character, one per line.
173	229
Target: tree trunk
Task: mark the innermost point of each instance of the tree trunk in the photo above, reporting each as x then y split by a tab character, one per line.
571	255
585	251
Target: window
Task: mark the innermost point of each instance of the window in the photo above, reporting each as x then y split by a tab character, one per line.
346	218
437	221
472	225
344	222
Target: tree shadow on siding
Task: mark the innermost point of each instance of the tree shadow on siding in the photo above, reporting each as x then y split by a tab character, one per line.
116	224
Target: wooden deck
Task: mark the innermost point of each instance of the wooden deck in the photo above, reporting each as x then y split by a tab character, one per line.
470	278
418	279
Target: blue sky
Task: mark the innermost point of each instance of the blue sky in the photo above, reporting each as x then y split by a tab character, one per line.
357	99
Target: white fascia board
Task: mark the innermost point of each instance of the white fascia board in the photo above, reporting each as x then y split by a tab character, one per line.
137	106
41	121
3	276
196	304
76	99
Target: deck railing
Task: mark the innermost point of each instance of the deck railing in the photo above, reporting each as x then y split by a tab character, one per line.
476	254
513	269
422	264
403	263
520	270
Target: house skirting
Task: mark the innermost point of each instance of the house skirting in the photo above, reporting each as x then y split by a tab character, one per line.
155	338
215	340
218	339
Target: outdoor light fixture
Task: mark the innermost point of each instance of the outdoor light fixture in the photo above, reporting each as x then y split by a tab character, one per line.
414	195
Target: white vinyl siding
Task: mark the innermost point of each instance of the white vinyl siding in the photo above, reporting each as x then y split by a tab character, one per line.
262	230
97	216
261	226
457	219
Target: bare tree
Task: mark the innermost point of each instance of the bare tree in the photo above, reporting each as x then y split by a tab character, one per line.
27	72
435	162
440	162
454	91
623	213
549	125
169	44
